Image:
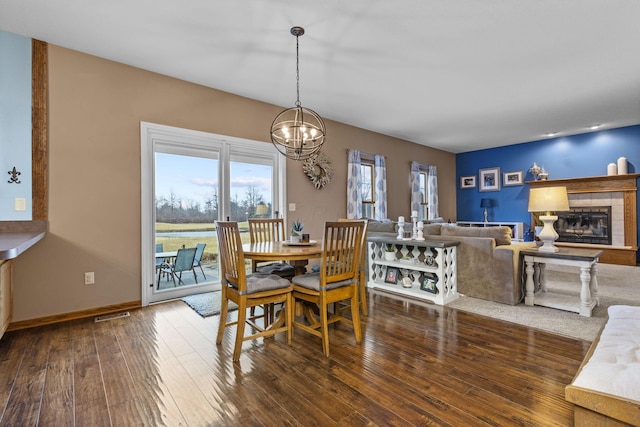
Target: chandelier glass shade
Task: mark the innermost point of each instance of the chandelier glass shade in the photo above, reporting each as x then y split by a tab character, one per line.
298	133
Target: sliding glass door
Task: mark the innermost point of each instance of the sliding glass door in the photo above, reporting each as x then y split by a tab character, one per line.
189	180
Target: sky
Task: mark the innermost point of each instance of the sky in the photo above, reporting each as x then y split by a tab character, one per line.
195	178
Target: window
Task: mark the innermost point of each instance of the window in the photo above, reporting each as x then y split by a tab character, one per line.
367	189
423	210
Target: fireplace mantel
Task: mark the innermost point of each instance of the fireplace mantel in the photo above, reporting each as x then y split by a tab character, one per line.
627	185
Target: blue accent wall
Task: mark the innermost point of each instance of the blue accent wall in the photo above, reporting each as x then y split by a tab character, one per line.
15	124
574	156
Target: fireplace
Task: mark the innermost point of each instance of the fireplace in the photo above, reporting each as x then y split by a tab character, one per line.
590	224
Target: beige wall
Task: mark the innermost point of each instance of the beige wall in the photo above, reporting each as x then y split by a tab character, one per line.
95	109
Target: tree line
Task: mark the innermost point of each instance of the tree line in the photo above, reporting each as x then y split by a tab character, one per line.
176	209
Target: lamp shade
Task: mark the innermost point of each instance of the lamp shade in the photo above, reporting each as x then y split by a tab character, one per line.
486	203
262	209
547	199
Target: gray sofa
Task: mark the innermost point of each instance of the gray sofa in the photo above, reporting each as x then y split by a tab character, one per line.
489	264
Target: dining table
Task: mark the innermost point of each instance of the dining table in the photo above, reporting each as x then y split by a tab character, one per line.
296	254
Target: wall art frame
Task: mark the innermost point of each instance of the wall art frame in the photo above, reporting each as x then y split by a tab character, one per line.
513	178
468	181
489	179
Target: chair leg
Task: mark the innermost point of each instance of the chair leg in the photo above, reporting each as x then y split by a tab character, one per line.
194	275
289	313
224	309
324	326
203	275
363	295
242	321
355	315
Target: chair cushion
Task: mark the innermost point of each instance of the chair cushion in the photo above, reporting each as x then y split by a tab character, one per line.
257	282
279	268
312	281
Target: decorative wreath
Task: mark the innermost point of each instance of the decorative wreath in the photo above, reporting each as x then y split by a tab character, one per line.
319	170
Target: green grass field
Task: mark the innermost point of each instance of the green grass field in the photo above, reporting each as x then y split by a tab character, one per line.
171	244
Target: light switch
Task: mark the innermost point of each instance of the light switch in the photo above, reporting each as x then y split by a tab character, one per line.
20	204
292	207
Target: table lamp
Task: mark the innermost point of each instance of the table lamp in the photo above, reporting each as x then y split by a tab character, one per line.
262	209
486	204
548	199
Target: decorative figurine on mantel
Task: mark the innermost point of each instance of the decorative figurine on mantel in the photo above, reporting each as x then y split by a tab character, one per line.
535	170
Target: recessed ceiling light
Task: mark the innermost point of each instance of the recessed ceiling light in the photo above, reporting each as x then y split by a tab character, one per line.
549	134
594	127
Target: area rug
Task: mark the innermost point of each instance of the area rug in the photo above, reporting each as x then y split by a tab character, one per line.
617	285
207	304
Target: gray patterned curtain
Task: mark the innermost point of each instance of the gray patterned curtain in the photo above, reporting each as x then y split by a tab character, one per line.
354	194
381	188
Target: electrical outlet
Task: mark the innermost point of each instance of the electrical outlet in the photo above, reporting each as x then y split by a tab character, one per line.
89	278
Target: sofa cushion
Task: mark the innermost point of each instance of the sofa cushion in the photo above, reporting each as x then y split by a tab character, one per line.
502	235
431	229
381	226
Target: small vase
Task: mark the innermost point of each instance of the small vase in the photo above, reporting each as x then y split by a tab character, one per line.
390	256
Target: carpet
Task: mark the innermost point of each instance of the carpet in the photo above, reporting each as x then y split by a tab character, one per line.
207	304
616	284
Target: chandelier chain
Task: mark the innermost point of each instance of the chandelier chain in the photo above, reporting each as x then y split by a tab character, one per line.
297	74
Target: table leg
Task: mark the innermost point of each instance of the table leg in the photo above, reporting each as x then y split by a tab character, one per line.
300	266
528	298
585	293
593	285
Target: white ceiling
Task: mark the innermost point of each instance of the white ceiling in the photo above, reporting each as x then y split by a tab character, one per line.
458	75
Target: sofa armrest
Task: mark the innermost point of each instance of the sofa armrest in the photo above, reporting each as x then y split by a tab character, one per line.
508	268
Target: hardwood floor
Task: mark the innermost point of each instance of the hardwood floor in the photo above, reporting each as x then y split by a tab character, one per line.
417	365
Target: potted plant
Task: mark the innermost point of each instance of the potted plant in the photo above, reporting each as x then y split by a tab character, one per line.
390	253
296	231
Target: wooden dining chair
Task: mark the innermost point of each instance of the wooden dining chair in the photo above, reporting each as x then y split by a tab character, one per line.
248	291
336	281
269	230
362	284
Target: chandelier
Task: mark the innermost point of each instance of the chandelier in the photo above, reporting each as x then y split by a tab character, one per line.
298	132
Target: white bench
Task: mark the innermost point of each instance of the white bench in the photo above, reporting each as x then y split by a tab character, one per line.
606	389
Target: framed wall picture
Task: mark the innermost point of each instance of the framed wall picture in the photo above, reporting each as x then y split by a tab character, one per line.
468	181
391	276
490	179
512	178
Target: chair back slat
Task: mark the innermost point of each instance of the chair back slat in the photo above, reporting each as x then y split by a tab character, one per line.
232	267
266	230
341	251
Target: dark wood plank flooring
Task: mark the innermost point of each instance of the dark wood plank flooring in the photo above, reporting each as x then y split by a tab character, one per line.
418	365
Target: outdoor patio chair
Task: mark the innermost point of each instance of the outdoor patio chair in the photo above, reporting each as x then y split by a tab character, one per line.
183	262
196	261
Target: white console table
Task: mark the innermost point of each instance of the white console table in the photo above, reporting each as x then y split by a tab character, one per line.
517	228
586	259
430	266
